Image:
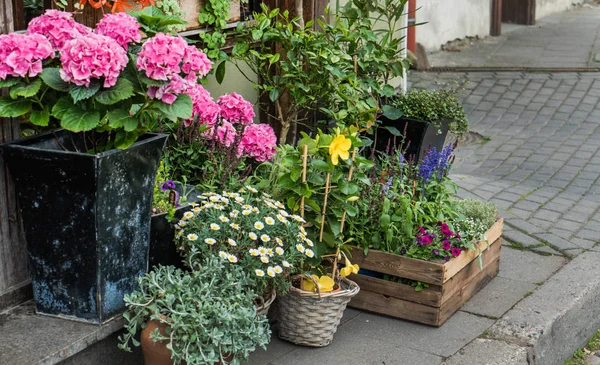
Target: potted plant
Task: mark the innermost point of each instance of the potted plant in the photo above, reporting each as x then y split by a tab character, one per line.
203	316
85	191
422	252
249	230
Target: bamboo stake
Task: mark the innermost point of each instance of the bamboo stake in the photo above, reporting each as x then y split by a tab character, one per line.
304	163
324	206
349	179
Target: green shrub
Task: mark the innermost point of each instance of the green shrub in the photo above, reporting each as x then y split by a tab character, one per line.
483	213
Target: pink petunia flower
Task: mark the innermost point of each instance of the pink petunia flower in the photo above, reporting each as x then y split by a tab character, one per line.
258	142
92	57
121	27
235	109
58	26
22	55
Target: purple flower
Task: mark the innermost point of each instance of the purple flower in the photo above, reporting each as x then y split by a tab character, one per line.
425	240
455	251
446	245
429	164
170	184
436	252
446	258
444	161
403	251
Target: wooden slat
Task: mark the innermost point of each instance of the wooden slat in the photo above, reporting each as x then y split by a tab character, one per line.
431	296
453	266
6	16
425	271
468	290
394	307
452	286
496	23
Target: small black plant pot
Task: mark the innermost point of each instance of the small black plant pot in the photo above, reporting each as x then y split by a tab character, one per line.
86	219
162	248
422	136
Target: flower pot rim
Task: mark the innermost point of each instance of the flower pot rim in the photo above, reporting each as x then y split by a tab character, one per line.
27	144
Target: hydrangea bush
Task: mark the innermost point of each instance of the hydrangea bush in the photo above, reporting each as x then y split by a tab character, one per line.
246	229
62	73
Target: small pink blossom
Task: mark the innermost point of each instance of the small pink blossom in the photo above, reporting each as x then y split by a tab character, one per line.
121	27
235	109
21	55
161	56
195	62
168	93
203	107
224	133
92	57
259	142
58	26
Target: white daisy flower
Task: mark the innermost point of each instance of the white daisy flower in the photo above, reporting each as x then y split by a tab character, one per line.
279	241
264	259
259	225
271	205
179	233
247	206
270	221
271	272
223	219
300	248
239	199
279	205
210	241
223	254
188	215
308	252
214	199
298	218
197	210
254	252
214	227
251	189
302	230
279	250
182	223
253	236
255	210
235	226
284	213
194	204
224	200
232	259
231	242
285	264
246	212
278	269
281	218
192	237
259	272
262	251
234	213
219	207
208	206
309	242
265	238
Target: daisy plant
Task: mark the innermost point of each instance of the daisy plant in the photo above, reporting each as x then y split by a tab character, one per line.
247	229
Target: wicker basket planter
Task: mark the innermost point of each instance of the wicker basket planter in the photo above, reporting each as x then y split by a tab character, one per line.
451	284
311	319
263	304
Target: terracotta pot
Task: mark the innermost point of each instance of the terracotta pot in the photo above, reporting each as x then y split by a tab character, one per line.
157	353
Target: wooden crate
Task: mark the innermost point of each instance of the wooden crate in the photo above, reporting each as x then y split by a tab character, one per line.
451	283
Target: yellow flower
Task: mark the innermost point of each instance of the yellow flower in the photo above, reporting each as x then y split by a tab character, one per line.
265	238
231	242
210	241
259	272
349	269
253	236
270	221
259	225
265	259
324	282
232	259
339	147
192	237
279	250
278	269
308	252
271	272
214	227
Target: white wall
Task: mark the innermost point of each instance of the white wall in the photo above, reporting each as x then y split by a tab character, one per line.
451	19
547	7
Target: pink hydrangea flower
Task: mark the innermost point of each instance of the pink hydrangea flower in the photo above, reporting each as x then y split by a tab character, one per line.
21	55
195	62
224	133
92	57
161	56
235	109
58	26
168	93
203	106
259	142
121	27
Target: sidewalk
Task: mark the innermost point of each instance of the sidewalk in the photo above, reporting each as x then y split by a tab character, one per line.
568	39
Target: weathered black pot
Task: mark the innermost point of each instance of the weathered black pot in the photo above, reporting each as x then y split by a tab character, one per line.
86	219
421	134
162	249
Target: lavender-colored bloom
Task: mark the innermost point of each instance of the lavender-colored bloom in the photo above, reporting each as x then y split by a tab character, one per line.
444	161
168	185
429	164
403	251
386	187
436	252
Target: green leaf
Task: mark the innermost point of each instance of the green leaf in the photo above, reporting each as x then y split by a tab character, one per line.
125	139
121	118
26	90
51	77
61	107
180	109
151	82
9	82
388	91
320	165
40	117
220	72
10	108
76	119
296	173
240	49
274	94
79	93
393	130
170	20
392	113
122	90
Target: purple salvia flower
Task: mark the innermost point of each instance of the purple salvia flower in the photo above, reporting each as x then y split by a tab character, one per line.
429	164
444	161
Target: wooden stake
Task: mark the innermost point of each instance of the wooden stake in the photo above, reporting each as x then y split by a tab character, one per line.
349	179
304	163
324	206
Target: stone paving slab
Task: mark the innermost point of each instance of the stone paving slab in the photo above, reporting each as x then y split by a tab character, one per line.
489	352
500	295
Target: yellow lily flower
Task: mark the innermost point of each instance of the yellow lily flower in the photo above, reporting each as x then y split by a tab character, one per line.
325	283
349	269
339	147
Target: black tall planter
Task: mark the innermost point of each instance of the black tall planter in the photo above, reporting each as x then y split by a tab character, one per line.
86	219
422	136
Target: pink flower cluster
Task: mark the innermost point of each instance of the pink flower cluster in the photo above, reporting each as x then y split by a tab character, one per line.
195	62
236	109
121	27
225	133
168	93
259	142
161	56
58	26
21	55
203	107
92	57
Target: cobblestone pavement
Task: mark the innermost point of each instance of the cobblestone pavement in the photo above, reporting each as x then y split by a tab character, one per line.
541	165
566	39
